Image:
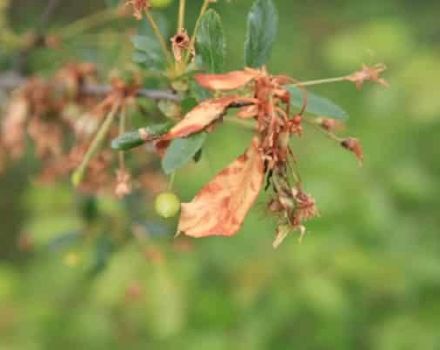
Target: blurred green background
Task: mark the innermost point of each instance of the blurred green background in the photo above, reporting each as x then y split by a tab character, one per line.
367	275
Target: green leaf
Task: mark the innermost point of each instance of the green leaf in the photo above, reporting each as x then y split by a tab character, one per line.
147	52
211	46
181	151
145	29
261	33
316	104
139	137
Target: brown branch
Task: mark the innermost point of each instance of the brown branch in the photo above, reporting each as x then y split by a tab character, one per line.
13	81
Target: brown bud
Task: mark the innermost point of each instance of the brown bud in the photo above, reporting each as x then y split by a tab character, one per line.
354	146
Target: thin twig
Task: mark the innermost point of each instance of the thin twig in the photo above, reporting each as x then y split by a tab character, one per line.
158	35
12	81
96	144
47	14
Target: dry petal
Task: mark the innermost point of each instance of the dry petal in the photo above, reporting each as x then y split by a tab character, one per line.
229	81
220	207
203	116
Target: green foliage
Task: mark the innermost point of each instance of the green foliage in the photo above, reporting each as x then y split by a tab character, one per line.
261	33
211	45
147	52
181	151
316	104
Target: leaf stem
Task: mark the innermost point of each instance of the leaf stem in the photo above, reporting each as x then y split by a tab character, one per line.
122	127
181	19
329	134
171	181
320	81
197	25
79	173
158	35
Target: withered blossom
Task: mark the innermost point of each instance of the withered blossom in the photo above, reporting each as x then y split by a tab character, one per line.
123	183
354	146
181	46
139	7
368	73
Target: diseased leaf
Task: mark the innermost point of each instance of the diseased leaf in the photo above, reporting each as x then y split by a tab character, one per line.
220	208
228	81
202	116
138	137
261	33
211	46
316	104
181	151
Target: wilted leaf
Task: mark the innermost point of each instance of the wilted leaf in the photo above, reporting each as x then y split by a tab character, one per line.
261	33
316	104
228	81
202	116
181	151
221	206
211	46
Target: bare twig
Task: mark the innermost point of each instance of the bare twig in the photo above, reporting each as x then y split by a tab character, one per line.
47	13
13	81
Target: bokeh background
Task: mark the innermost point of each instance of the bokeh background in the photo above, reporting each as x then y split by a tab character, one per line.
367	275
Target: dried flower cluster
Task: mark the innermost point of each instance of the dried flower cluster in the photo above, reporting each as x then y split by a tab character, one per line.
60	119
139	7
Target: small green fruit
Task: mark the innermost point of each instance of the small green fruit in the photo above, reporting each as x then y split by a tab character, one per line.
167	204
161	3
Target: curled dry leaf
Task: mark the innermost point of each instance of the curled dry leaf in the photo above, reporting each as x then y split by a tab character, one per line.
220	207
203	116
229	81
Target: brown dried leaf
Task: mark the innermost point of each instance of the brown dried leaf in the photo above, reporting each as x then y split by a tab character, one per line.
228	81
203	116
220	207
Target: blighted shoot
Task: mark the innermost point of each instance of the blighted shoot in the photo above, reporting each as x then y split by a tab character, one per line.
112	138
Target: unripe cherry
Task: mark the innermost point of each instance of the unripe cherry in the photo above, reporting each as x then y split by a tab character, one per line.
160	3
167	204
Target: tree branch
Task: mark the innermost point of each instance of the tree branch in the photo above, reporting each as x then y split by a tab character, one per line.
13	81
